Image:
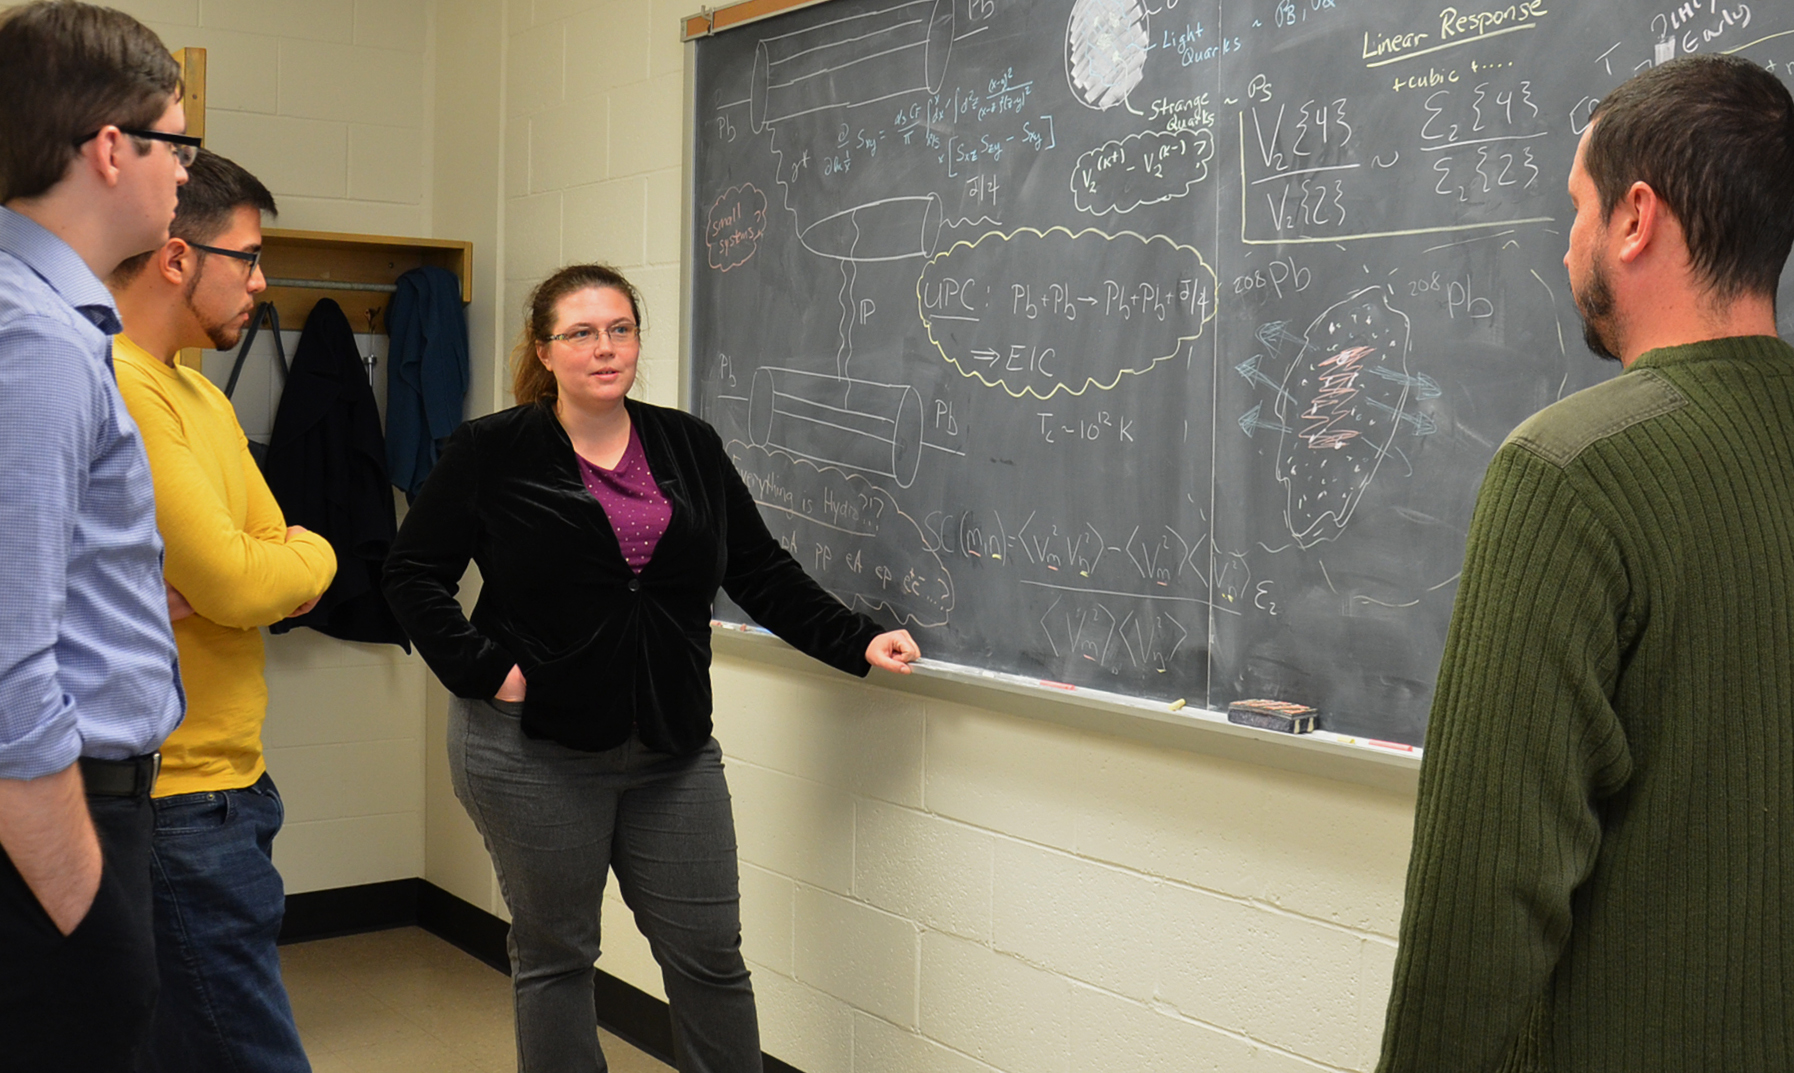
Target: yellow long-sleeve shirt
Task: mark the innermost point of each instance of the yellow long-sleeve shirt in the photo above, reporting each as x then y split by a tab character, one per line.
228	554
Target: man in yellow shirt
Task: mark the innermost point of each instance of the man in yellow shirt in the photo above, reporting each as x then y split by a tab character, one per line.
233	565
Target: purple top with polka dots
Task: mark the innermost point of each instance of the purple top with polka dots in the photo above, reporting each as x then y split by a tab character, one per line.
638	512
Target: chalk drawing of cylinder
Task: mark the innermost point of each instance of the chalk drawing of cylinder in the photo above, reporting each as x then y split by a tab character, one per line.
852	61
889	229
855	425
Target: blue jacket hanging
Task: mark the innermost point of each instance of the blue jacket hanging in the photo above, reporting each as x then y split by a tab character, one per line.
426	372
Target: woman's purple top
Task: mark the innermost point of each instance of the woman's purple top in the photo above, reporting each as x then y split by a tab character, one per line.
638	512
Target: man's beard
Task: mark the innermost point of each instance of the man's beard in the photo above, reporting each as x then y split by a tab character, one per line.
1595	304
223	334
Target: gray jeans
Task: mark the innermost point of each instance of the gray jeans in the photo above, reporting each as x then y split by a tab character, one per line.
554	819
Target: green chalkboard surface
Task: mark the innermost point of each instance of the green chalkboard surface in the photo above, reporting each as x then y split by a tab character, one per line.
1153	346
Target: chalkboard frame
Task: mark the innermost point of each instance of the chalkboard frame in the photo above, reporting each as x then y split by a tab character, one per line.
1193	728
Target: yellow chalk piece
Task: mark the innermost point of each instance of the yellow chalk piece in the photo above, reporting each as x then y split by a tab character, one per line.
1177	705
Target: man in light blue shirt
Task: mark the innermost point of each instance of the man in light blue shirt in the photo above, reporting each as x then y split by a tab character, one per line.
91	153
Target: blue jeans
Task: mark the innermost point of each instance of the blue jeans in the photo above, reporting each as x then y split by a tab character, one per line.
555	820
219	904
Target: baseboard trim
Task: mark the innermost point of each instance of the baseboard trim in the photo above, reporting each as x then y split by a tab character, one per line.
326	914
479	933
624	1010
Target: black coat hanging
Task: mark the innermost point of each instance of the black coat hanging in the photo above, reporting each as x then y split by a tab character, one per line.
326	466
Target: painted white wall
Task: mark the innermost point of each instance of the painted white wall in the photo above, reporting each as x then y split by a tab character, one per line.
594	114
929	883
469	202
330	103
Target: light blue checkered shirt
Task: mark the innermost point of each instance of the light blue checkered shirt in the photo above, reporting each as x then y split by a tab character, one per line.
87	659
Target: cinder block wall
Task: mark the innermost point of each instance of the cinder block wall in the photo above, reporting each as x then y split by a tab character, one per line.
928	886
327	101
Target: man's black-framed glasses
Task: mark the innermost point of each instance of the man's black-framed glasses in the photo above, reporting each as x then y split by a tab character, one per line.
253	257
184	146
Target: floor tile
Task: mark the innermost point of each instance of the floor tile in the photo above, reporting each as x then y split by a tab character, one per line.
622	1058
404	1001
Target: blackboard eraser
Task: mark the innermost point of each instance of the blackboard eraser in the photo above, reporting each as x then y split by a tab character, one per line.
1279	715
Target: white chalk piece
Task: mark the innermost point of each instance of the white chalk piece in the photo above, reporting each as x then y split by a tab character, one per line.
1279	715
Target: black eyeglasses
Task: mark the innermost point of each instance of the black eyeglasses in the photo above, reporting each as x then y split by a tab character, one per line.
254	257
184	146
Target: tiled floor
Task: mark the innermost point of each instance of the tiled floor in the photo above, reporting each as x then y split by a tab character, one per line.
404	1001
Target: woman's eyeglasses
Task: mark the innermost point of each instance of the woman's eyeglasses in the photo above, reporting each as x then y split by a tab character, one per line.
582	338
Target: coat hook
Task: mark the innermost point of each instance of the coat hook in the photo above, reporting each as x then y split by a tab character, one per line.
371	359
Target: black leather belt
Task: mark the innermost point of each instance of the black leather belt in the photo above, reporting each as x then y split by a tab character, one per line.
121	778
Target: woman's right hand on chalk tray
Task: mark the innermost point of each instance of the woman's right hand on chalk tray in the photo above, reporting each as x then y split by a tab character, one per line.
514	686
893	651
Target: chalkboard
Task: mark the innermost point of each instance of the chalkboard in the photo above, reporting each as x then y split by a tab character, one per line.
1153	346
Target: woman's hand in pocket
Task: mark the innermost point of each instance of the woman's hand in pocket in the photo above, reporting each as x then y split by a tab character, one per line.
514	686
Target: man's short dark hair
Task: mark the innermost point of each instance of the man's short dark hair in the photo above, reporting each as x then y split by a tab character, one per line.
67	70
216	188
1714	137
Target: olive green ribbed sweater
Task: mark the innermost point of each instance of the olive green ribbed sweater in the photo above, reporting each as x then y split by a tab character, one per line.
1603	866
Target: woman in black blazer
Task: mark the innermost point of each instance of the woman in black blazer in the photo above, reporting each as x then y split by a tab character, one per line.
579	739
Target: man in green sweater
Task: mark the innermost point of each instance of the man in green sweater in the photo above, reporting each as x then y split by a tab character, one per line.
1603	867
